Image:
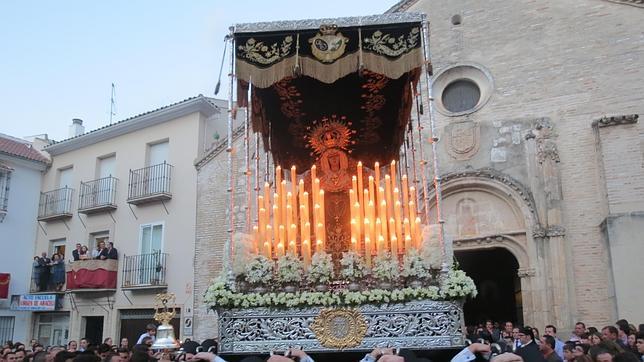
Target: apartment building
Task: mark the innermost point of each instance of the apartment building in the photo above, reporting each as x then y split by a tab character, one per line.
132	183
21	169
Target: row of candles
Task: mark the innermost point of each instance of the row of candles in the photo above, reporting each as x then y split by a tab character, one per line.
383	217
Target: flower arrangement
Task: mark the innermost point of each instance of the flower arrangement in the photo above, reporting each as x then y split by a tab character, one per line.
458	284
353	266
321	268
415	266
289	269
259	270
385	267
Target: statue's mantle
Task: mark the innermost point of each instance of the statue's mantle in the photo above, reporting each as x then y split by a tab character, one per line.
421	324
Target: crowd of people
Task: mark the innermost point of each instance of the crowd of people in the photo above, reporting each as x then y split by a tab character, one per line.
49	273
487	342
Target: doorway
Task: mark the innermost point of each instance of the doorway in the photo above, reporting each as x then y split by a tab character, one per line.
94	329
494	272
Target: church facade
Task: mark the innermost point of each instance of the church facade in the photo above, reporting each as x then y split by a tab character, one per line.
541	160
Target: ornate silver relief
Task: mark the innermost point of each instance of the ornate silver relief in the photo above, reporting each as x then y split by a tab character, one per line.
416	324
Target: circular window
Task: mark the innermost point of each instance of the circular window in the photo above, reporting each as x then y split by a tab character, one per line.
461	95
462	89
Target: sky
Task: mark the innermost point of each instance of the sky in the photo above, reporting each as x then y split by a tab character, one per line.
59	58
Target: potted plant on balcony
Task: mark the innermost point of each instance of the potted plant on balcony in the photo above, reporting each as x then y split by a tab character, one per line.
416	269
259	272
385	270
289	271
320	272
353	268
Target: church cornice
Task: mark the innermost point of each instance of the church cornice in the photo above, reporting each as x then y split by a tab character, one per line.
609	121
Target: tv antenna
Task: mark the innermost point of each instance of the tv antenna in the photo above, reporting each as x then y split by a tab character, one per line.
112	103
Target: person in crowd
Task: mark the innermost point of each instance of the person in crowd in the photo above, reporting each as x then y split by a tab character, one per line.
104	350
625	357
83	345
631	343
65	356
470	353
535	332
20	354
516	344
108	341
11	357
623	330
72	346
125	343
580	329
507	330
551	330
595	338
43	280
109	253
569	351
76	252
611	333
84	253
124	354
547	348
96	253
639	344
150	331
493	333
529	350
581	349
35	273
57	266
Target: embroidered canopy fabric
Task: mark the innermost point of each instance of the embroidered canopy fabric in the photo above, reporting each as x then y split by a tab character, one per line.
92	274
361	72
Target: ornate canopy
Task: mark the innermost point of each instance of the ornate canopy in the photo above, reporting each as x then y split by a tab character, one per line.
360	73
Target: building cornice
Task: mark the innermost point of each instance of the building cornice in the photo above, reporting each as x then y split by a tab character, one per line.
25	162
615	120
400	6
152	118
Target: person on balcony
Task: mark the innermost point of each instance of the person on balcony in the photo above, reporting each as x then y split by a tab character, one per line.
76	252
96	253
44	274
109	253
58	271
84	253
35	273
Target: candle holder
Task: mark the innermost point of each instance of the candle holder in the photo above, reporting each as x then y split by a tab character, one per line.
165	332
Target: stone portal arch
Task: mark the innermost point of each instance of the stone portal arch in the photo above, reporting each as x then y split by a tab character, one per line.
486	209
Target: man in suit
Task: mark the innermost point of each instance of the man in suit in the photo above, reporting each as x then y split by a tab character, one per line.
109	253
43	264
529	350
76	252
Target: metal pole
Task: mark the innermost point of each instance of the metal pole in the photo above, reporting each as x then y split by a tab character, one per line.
228	255
447	253
247	172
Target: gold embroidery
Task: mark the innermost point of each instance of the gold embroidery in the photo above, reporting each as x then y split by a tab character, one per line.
339	328
328	44
258	52
390	46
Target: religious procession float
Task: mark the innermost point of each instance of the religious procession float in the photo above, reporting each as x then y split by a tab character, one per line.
336	249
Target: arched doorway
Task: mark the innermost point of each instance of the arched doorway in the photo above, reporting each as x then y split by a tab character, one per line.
494	272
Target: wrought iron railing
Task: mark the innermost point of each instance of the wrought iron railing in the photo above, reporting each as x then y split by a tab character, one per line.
55	203
98	193
144	270
5	176
150	181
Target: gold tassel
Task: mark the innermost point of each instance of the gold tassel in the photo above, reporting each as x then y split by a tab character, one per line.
297	70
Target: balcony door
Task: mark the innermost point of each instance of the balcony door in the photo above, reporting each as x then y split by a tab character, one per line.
151	270
153	176
103	188
57	202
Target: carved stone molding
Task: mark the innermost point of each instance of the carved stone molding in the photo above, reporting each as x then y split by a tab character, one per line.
615	120
526	272
464	139
546	147
555	231
495	175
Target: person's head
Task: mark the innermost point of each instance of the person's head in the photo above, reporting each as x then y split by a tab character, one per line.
37	347
568	351
65	356
101	244
108	341
11	357
603	356
623	329
625	357
489	324
43	254
87	357
550	330
124	354
508	326
51	355
580	328
147	341
526	335
515	333
104	350
84	343
535	333
581	349
151	329
55	257
609	333
72	345
630	341
40	356
110	245
84	249
595	338
140	357
20	354
78	246
112	357
125	343
639	342
547	345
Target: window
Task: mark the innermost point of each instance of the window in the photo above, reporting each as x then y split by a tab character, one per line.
57	247
6	328
151	238
52	329
65	177
461	95
5	176
158	153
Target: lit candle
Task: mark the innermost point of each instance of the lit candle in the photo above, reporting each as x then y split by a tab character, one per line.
356	207
316	191
267	196
262	227
307	232
354	245
316	220
306	252
394	245
305	202
293	181
278	178
407	227
313	172
372	195
419	233
372	226
360	185
390	202
354	185
353	231
392	170
379	245
377	169
276	223
291	244
256	239
367	251
300	190
399	233
291	247
320	231
322	216
282	232
383	217
280	249
289	221
268	250
319	246
407	243
283	200
405	197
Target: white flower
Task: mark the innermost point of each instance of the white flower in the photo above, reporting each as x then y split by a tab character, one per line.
414	265
289	269
385	267
353	266
321	268
259	270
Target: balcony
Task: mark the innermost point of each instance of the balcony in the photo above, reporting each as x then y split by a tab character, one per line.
145	271
47	279
55	204
150	184
92	275
98	195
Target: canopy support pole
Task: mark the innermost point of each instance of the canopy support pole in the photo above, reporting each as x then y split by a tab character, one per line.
229	245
